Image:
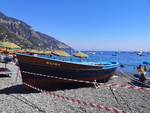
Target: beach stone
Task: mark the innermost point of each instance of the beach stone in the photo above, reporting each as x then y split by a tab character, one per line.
14	99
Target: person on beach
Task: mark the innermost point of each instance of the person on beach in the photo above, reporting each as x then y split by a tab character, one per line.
145	69
142	73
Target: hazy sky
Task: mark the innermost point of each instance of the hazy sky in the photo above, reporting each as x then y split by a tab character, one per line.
87	24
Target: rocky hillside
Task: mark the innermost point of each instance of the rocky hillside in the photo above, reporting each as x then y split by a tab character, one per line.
22	34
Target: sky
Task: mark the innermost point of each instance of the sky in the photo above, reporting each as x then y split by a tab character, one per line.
87	24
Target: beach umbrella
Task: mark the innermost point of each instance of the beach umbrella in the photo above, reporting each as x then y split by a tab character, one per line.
9	45
60	53
20	51
80	55
2	50
47	52
33	51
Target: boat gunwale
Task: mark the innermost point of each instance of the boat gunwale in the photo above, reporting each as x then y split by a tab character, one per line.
98	65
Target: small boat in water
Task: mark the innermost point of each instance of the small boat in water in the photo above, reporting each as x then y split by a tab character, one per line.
141	53
44	72
147	62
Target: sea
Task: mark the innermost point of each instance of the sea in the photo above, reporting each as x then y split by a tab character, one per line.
130	60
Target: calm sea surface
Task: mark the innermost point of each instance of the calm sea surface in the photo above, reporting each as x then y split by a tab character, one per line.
130	60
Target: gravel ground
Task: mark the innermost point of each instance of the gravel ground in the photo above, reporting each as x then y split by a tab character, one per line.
15	99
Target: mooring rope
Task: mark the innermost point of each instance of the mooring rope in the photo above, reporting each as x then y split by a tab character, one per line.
61	78
29	103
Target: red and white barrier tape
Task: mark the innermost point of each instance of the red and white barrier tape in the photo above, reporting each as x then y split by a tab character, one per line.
77	101
97	85
146	91
124	86
5	73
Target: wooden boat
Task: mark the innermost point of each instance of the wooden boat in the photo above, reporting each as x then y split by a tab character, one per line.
45	72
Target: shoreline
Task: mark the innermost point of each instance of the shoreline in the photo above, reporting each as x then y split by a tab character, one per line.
15	99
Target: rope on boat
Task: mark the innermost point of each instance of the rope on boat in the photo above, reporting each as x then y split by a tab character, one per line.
77	101
61	78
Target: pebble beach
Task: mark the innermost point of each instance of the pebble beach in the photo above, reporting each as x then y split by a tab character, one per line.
15	99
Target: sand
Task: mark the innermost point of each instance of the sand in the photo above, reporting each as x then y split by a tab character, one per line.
15	99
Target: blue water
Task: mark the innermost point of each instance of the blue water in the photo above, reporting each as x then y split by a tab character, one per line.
130	60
